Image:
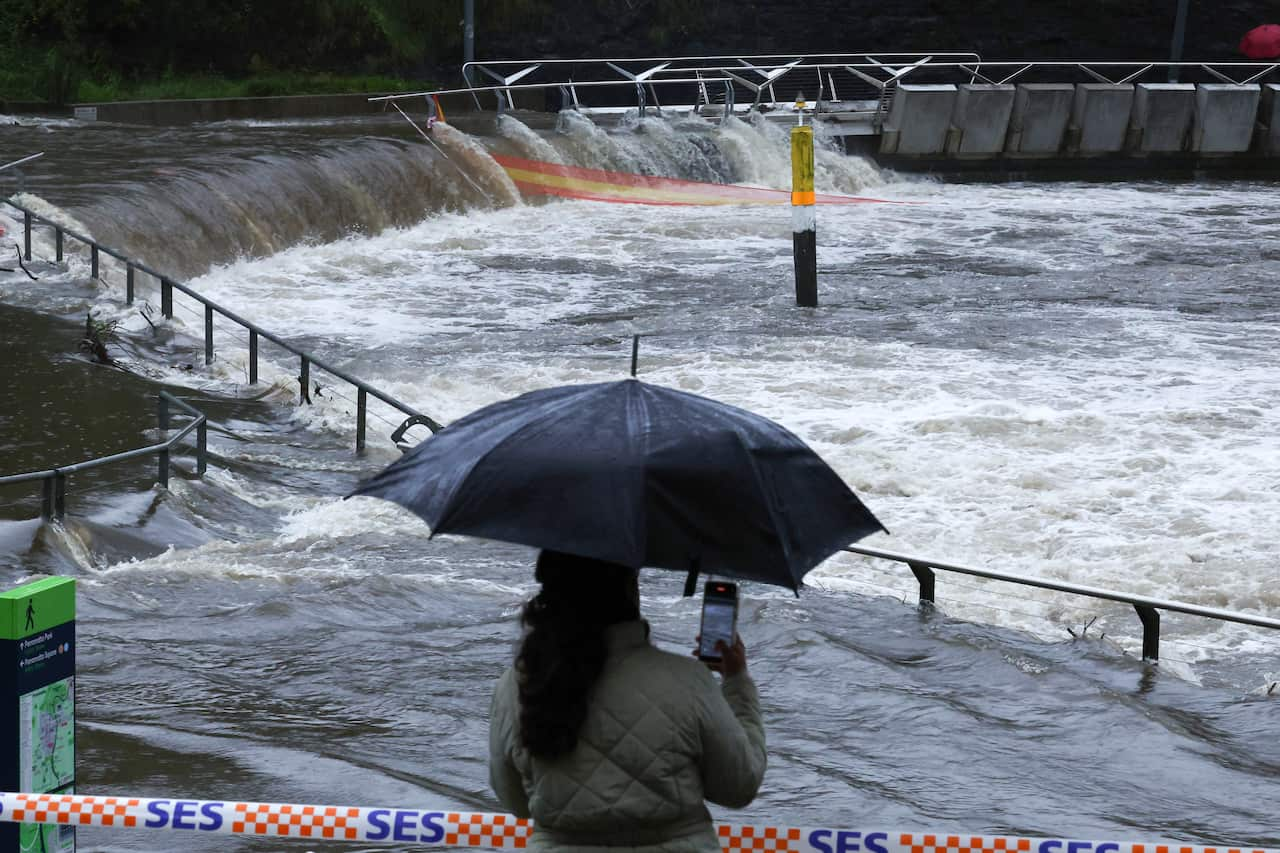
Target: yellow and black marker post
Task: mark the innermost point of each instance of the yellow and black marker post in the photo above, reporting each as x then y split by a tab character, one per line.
803	221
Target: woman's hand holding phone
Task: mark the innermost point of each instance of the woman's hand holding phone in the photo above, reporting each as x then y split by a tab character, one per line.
733	659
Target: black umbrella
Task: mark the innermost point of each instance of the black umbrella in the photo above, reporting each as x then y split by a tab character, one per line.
635	474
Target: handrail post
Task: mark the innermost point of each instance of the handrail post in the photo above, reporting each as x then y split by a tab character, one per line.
202	447
57	244
208	334
162	418
46	499
162	468
59	495
1150	631
128	285
26	234
304	380
924	575
253	357
93	260
362	406
166	298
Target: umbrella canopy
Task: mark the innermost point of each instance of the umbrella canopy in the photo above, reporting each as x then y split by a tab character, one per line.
636	474
1262	42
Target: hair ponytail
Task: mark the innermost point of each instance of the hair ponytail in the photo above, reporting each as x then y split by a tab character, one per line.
564	648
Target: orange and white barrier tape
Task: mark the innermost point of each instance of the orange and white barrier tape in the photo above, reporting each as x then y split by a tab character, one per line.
443	828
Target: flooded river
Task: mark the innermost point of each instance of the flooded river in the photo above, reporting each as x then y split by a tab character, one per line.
1071	380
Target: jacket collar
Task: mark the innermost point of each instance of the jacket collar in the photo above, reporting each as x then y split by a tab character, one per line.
622	637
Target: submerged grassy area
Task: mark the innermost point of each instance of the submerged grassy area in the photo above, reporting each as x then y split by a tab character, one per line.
26	84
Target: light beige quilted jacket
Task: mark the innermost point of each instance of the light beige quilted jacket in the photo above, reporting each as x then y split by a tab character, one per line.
660	738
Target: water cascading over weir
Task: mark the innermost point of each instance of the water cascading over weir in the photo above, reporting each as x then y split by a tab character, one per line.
239	205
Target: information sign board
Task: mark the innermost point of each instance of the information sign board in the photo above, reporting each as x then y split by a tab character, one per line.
37	705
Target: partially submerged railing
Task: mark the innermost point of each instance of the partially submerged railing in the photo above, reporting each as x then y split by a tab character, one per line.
167	286
1148	608
53	501
14	164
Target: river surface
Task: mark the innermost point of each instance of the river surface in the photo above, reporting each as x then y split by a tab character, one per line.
1070	380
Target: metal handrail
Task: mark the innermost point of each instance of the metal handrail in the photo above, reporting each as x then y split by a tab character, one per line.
53	503
22	160
842	56
880	71
1148	608
167	285
934	63
503	87
772	69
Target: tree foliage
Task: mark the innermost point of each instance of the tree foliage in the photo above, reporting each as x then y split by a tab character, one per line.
63	41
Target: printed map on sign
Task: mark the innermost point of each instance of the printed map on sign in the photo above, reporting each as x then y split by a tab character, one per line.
47	734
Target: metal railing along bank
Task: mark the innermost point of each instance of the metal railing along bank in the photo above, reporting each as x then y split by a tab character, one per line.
167	286
53	503
1148	608
835	83
759	79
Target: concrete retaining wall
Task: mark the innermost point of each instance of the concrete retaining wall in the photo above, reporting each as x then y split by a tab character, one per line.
223	109
1039	120
1162	115
1225	117
1099	118
980	121
918	120
1269	118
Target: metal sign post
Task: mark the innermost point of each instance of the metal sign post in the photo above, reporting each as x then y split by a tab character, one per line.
37	705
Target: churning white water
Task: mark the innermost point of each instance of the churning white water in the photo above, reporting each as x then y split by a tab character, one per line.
1070	380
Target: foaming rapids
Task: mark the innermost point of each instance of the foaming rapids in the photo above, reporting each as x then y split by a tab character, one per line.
753	151
272	201
259	204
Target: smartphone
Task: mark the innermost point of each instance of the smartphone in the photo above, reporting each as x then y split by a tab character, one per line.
719	618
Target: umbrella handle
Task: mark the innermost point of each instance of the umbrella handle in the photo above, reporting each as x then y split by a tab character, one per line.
691	580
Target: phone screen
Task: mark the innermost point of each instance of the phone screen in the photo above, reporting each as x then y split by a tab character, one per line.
719	618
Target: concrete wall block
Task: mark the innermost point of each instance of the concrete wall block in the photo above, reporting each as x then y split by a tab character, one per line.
1225	117
1100	117
919	119
1162	116
1039	120
221	109
981	119
1269	120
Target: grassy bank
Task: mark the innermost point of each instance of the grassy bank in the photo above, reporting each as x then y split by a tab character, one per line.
32	85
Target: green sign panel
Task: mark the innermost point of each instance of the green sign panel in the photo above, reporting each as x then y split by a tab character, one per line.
37	705
36	607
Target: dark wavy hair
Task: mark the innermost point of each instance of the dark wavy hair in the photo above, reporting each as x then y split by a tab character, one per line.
564	649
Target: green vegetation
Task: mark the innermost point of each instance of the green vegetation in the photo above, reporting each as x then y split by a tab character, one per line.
97	334
61	51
